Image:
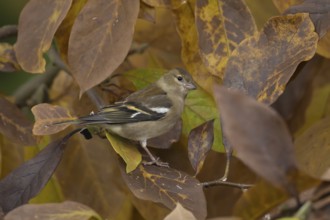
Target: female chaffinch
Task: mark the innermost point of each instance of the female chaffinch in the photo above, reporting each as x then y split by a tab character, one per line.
146	113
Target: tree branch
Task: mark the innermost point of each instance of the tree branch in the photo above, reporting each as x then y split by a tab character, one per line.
8	31
226	183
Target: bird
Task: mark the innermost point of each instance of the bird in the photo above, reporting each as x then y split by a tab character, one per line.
146	113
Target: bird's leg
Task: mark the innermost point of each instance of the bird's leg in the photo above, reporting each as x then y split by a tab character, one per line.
154	160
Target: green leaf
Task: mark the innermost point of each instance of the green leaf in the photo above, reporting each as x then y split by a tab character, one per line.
126	150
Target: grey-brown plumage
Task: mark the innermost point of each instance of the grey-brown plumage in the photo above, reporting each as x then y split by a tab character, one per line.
146	113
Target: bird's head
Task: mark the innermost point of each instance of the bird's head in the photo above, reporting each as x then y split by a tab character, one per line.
178	81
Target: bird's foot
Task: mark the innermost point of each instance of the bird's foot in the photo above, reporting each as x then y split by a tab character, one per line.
156	162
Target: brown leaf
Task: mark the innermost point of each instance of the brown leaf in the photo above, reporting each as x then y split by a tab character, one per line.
185	22
263	197
221	26
180	213
259	135
100	39
37	25
200	141
53	211
26	181
287	105
271	57
8	61
94	169
167	186
64	30
313	148
166	140
319	11
14	125
45	117
127	151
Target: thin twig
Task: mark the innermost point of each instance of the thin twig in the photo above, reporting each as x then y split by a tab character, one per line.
8	31
24	93
220	182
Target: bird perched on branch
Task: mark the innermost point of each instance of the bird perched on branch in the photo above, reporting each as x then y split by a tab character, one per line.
146	113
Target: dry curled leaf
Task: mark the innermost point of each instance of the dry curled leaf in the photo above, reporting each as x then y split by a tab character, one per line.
100	39
319	11
262	65
14	125
167	186
37	25
259	136
8	61
127	151
46	116
200	141
217	25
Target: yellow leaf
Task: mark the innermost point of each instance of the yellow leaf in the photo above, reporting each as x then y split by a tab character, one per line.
127	151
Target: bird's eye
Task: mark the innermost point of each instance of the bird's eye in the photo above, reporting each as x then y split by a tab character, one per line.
179	78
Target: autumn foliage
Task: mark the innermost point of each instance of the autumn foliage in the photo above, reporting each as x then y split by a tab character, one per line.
254	139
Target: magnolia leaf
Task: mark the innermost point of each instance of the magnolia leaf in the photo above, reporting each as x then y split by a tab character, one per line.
8	61
196	104
259	136
313	147
180	213
54	211
185	22
200	142
167	186
217	25
63	32
47	115
37	25
100	39
271	57
26	181
14	125
127	151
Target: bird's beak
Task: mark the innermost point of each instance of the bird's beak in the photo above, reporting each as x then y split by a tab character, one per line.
190	86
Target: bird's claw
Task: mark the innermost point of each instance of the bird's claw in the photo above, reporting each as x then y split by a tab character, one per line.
156	162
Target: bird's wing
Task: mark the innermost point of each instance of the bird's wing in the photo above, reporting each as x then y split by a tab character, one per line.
151	97
144	105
